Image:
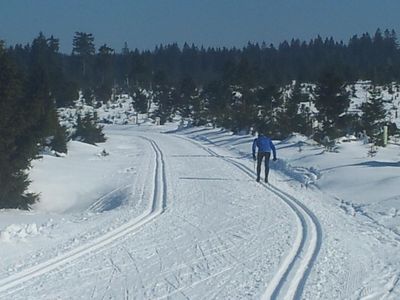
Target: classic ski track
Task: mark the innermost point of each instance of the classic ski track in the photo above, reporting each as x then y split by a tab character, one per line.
99	203
289	281
157	205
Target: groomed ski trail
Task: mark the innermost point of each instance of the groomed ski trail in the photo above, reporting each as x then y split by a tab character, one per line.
290	279
156	206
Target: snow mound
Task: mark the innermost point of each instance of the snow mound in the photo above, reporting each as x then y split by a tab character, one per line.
295	138
15	232
305	175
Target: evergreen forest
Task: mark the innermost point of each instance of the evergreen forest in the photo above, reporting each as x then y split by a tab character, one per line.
236	88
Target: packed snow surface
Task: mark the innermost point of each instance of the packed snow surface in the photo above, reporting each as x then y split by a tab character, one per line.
177	213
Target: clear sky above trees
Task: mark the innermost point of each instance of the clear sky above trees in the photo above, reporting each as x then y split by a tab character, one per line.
145	23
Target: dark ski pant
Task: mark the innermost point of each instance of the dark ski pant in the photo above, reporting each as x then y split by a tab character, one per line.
260	157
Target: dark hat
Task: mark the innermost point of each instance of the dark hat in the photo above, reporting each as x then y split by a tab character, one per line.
262	130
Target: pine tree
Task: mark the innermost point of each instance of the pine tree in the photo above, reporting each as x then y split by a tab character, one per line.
17	148
42	115
140	101
87	129
104	76
199	110
166	103
83	50
58	141
269	102
290	118
374	114
217	96
332	101
186	92
243	110
125	50
63	90
88	95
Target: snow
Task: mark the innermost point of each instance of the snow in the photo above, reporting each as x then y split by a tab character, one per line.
352	183
62	192
18	232
347	174
175	212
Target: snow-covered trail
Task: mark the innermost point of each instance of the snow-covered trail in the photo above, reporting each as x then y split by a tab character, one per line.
221	236
207	231
288	282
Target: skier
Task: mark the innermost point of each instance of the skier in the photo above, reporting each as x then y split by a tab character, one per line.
264	145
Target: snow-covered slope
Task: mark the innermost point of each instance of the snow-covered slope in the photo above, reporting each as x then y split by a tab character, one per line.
119	110
390	94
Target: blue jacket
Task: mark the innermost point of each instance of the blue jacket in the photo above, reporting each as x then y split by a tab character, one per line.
264	144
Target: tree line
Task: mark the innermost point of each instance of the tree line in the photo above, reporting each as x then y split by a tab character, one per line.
238	89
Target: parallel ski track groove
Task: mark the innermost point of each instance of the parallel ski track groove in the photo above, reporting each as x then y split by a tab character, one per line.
309	258
157	205
309	224
99	203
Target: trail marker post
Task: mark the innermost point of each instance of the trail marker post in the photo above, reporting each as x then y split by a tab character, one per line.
385	135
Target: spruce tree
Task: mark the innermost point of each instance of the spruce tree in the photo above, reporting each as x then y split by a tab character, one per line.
83	53
269	102
140	101
42	114
104	76
199	110
88	95
17	148
290	118
186	92
332	101
374	114
217	97
243	110
88	130
166	98
58	141
63	90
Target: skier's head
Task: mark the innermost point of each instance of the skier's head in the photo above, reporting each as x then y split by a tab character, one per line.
262	130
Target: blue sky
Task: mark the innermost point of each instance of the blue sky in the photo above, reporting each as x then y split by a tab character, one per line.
146	23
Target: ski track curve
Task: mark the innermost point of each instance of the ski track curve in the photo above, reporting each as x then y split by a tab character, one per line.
290	279
156	206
